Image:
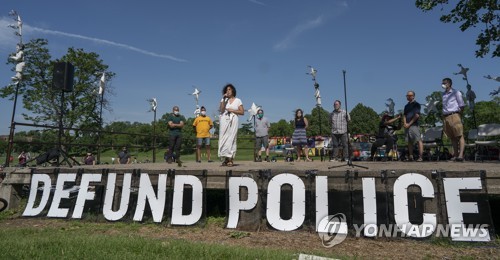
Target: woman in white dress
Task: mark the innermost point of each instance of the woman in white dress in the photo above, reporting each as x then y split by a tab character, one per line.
230	108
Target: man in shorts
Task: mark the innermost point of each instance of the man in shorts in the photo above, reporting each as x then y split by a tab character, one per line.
453	106
202	125
410	123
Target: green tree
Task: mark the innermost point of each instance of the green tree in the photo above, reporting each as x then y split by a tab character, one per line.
3	146
188	137
246	129
113	138
432	117
364	120
486	112
281	128
319	118
471	14
81	106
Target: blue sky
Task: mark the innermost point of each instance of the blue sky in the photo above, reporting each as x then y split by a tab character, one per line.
163	48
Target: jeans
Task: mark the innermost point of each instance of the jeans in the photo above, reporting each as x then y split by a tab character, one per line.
174	146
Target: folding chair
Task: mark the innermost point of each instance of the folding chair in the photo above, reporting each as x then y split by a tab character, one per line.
470	145
433	139
487	137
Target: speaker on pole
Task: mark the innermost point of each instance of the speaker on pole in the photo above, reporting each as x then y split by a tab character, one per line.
62	78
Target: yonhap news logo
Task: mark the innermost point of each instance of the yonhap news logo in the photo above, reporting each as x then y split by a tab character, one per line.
332	230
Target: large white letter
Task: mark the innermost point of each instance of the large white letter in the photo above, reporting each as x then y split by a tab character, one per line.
235	204
84	194
60	193
401	214
30	210
274	198
456	208
197	203
107	210
369	206
146	192
321	199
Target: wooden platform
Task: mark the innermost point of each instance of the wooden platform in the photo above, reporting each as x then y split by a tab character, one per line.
15	175
14	178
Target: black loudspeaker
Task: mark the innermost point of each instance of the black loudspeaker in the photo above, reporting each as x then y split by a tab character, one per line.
62	79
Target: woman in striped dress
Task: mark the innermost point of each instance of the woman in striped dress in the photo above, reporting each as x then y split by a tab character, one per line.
299	138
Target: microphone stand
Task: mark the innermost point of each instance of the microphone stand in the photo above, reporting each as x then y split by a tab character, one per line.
348	161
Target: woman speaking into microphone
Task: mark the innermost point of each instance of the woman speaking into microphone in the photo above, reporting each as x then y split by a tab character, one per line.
230	108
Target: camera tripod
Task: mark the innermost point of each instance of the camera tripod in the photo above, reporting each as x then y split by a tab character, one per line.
348	159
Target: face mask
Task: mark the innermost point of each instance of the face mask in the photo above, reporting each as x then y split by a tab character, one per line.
176	113
260	115
443	86
203	113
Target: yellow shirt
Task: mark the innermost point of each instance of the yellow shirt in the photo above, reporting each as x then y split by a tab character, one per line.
203	125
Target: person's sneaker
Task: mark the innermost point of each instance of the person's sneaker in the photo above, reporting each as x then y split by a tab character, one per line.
210	161
198	161
420	159
169	161
267	159
179	163
409	159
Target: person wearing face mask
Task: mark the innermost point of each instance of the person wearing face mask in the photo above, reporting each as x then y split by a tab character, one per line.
230	107
410	122
453	106
262	126
175	123
202	126
338	120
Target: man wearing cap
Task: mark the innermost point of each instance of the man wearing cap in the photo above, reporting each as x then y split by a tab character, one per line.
124	156
89	159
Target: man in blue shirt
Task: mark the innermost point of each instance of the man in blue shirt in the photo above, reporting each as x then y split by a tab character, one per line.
453	106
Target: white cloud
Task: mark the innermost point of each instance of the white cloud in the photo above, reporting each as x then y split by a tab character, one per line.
257	2
297	31
8	40
102	41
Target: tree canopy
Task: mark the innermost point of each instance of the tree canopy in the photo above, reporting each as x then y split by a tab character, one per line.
472	14
364	120
81	107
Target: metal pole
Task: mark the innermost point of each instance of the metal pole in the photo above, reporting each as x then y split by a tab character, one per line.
12	127
59	137
254	141
100	129
154	136
10	146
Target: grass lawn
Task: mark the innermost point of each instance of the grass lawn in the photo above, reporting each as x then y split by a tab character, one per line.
91	241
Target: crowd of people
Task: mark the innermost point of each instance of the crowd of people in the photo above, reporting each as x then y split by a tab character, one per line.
231	107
